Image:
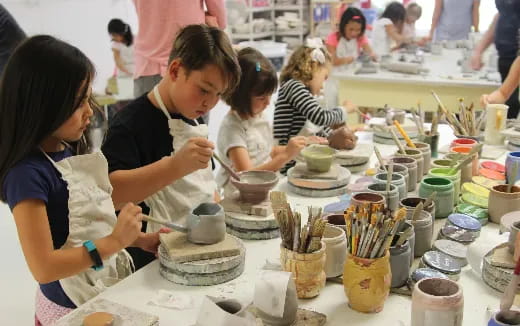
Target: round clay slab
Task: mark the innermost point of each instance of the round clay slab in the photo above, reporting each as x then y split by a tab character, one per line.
201	279
316	192
253	234
491	174
342	180
421	273
99	319
475	189
451	232
473	199
508	220
251	222
453	249
485	182
495	166
441	262
481	214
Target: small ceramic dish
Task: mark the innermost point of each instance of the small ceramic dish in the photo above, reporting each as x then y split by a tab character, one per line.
255	185
470	198
481	214
318	157
485	182
493	166
475	189
491	174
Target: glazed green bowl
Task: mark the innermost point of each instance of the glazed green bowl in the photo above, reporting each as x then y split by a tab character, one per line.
318	157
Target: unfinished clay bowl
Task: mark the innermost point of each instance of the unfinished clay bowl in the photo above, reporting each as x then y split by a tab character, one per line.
255	185
318	157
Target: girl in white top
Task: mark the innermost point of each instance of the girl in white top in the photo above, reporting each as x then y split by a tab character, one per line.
388	29
122	47
245	136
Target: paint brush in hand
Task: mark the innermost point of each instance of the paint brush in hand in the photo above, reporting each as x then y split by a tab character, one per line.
226	167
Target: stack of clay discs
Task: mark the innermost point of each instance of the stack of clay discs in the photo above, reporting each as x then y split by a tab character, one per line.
497	273
190	264
442	263
479	213
316	185
250	221
475	194
425	272
455	250
452	232
356	160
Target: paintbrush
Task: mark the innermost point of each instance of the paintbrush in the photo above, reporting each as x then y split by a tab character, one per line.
396	140
399	216
404	236
449	116
297	230
435	124
513	177
389	177
462	163
509	294
421	113
430	199
462	113
417	211
417	123
168	224
472	119
380	158
226	167
481	120
404	134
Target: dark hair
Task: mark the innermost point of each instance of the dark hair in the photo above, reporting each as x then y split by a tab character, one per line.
395	11
258	78
352	14
117	26
200	45
44	82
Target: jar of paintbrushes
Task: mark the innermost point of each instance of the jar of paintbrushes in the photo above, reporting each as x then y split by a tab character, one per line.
302	251
367	276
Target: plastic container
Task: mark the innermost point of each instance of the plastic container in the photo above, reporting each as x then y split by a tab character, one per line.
453	177
423	230
411	164
335	250
424	148
397	180
444	199
501	202
392	196
399	264
418	156
402	170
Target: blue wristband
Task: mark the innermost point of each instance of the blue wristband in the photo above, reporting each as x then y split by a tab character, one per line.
94	254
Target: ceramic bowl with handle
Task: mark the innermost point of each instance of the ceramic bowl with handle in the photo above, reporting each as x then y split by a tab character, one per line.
255	185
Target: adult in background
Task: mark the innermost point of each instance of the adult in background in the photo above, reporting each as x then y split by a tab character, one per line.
10	35
452	19
503	31
159	22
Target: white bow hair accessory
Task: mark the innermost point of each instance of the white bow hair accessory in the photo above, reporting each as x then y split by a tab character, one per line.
316	44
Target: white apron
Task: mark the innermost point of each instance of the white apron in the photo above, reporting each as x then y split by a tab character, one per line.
175	201
259	145
91	217
347	48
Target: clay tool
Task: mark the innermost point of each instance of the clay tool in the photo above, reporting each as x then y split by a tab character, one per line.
513	177
430	199
389	177
417	122
462	114
435	124
449	116
404	236
473	119
168	224
421	113
380	158
481	120
396	140
404	134
417	211
509	294
226	167
462	163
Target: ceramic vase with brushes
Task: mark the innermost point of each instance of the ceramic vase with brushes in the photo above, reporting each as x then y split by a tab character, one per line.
367	276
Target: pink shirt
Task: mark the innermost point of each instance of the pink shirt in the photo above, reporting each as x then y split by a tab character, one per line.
159	22
333	40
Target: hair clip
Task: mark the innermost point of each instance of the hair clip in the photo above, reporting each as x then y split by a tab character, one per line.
356	17
316	44
258	68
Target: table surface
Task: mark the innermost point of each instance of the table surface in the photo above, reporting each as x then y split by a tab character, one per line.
138	289
443	71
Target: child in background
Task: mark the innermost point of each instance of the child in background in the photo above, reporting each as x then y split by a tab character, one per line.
122	47
388	28
61	200
413	13
157	147
297	112
345	44
245	136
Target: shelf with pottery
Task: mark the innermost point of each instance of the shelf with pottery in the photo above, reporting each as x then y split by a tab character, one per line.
405	90
140	288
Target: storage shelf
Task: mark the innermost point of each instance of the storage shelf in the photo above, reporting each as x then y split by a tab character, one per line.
260	9
295	32
290	7
251	35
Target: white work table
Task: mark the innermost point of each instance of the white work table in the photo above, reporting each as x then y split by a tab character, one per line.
138	289
404	90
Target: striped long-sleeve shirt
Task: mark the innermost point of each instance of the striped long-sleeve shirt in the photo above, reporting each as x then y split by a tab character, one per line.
294	106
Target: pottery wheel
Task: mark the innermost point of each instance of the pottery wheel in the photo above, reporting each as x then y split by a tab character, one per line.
252	227
202	272
306	192
320	184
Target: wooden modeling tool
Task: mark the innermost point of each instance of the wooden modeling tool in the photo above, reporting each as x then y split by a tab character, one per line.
380	158
396	140
168	224
389	177
226	167
513	177
404	134
462	163
417	211
435	124
430	199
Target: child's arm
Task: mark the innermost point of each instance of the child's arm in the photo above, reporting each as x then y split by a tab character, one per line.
119	61
485	42
476	14
436	17
506	89
48	264
336	61
241	161
301	99
135	185
394	34
368	50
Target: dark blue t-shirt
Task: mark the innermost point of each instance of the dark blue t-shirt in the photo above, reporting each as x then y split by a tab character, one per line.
35	177
506	33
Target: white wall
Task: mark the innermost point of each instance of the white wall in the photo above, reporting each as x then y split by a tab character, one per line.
83	23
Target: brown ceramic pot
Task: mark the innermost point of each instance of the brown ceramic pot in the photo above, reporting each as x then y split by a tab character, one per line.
502	202
366	197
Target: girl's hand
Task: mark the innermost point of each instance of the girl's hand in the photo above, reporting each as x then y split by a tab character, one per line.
317	140
484	100
128	226
150	241
294	146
